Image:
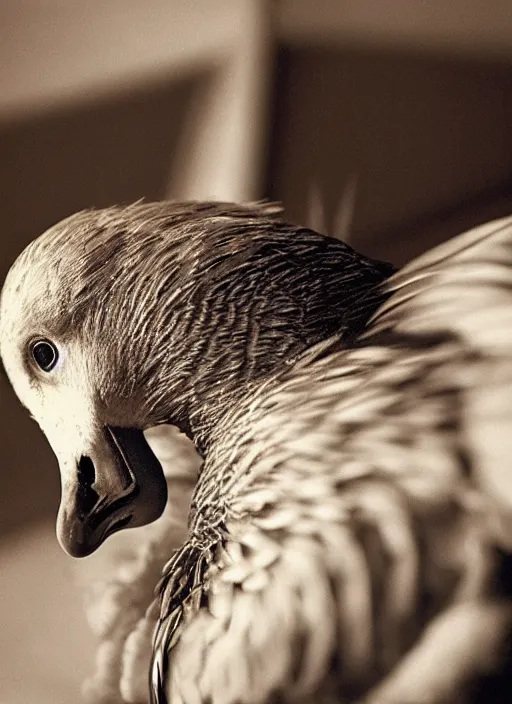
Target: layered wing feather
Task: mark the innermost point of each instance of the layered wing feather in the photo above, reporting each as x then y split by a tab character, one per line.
463	288
353	515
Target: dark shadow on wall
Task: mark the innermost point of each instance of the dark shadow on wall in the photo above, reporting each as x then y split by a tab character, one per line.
428	139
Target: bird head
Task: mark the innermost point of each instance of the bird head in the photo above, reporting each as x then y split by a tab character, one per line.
117	320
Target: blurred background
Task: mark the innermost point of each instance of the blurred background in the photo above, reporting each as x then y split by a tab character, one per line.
404	106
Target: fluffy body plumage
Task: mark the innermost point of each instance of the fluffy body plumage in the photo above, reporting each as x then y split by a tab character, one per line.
349	531
354	500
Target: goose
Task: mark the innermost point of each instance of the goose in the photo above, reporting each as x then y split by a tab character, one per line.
349	532
119	320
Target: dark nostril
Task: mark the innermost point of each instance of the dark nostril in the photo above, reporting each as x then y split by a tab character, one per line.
87	497
86	473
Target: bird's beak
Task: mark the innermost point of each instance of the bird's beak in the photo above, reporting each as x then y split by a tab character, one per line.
118	484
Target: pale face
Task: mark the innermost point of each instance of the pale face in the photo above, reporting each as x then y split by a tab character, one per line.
110	478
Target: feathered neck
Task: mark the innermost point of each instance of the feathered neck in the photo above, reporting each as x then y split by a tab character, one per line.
226	367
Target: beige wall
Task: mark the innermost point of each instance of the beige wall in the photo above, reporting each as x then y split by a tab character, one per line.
427	137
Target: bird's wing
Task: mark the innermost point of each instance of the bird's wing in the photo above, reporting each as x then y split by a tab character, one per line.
182	589
463	289
353	485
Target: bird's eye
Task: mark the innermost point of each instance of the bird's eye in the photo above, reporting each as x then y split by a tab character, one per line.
45	354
